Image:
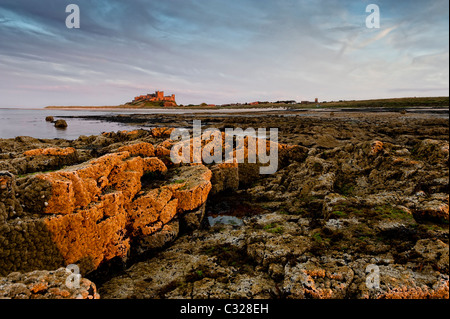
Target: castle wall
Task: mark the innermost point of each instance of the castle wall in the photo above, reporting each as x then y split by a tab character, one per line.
158	96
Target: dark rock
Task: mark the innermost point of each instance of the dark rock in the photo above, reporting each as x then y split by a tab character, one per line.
60	124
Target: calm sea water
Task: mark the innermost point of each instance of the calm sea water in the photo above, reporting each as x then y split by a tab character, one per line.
20	122
31	122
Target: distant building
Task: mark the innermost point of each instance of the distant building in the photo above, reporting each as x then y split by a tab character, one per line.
158	96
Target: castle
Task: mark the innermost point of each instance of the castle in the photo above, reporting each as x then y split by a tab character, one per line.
158	96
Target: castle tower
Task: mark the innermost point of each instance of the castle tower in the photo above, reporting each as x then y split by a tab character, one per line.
159	95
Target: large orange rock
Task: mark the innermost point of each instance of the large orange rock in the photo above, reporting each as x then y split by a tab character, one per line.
154	164
162	131
93	212
191	186
126	177
169	211
142	149
145	211
77	186
95	233
53	151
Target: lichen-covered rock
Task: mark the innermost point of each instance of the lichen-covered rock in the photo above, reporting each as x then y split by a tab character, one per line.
95	234
41	159
154	165
377	147
43	284
162	131
91	213
9	205
145	211
139	149
440	290
191	186
51	151
307	280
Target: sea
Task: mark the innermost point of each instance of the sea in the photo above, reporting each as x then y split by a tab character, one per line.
31	122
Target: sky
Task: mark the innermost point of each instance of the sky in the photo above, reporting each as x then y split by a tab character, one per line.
221	51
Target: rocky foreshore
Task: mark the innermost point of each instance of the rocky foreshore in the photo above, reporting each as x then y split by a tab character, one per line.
350	192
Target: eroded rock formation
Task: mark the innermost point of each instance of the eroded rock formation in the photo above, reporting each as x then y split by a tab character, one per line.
337	204
97	210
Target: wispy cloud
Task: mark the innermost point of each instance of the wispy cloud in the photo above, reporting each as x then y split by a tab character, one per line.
220	51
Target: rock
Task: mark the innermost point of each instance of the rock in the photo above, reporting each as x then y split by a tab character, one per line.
90	213
162	131
159	239
42	284
307	231
139	149
9	204
145	211
51	152
193	219
308	280
225	176
435	209
26	140
331	201
101	140
50	119
434	151
60	124
292	153
191	186
434	251
154	165
377	147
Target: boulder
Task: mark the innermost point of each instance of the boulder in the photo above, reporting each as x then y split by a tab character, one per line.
61	124
91	213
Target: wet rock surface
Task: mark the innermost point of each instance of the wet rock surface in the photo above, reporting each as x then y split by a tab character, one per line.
352	193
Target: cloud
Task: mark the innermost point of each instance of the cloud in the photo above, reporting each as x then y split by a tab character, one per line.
380	35
219	51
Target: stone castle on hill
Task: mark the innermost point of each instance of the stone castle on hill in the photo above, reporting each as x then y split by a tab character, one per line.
158	96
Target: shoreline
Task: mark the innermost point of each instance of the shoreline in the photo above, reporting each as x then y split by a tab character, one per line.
405	102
